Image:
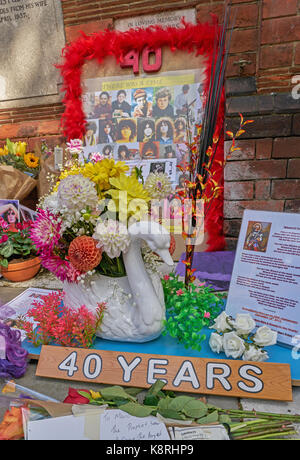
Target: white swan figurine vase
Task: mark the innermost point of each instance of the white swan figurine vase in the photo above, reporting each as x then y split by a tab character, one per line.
135	307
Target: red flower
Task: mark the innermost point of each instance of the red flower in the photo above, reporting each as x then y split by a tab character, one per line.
75	398
3	239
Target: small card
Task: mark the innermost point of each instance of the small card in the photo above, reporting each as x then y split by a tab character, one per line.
204	432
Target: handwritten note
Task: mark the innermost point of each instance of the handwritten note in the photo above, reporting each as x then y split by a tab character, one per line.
118	425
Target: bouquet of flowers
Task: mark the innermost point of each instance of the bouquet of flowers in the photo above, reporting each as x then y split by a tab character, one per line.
82	223
235	337
18	170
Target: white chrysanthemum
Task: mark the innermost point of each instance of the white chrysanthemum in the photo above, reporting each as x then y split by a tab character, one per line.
158	185
51	202
76	191
112	237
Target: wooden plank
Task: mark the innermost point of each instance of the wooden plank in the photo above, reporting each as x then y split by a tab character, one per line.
195	375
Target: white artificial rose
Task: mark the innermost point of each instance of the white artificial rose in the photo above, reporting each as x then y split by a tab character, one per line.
233	345
264	336
221	323
255	354
243	324
216	342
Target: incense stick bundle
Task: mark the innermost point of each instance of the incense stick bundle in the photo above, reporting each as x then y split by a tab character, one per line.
212	106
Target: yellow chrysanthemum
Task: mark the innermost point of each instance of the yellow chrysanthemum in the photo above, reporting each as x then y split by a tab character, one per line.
31	160
129	197
102	171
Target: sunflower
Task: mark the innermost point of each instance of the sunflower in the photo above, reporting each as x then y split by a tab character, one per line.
102	171
31	160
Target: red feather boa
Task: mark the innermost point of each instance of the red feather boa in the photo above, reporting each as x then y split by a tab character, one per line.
198	39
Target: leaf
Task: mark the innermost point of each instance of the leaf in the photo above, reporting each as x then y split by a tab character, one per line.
7	250
195	409
86	394
137	409
133	391
210	418
156	387
116	393
4	263
179	402
151	400
166	411
229	133
224	418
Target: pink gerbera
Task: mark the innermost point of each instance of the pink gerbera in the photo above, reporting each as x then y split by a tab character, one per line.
46	231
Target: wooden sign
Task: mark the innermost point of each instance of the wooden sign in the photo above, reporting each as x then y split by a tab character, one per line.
194	375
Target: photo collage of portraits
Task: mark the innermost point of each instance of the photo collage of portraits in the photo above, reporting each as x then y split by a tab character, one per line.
144	126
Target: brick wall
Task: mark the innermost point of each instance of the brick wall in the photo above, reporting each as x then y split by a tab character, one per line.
264	57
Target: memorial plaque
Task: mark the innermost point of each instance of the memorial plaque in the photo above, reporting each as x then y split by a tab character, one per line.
31	40
165	19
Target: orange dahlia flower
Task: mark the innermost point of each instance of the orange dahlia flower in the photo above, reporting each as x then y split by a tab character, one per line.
83	253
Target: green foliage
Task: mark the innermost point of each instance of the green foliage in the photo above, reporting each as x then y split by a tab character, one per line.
15	245
164	402
189	310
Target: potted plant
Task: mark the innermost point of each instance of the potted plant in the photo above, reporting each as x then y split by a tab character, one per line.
18	258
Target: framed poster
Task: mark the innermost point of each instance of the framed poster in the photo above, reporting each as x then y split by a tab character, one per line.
266	275
139	96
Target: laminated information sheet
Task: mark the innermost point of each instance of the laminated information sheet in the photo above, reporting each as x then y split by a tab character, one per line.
265	280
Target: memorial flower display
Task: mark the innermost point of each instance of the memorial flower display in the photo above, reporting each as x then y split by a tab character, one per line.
237	339
82	223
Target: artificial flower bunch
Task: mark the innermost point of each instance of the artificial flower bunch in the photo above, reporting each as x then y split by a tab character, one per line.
14	154
237	339
49	321
82	223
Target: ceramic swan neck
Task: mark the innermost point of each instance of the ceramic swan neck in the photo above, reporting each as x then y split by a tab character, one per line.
148	305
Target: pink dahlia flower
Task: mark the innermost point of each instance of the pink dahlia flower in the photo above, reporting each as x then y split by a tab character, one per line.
46	231
62	269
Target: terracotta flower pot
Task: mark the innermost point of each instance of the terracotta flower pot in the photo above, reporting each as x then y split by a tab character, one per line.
21	271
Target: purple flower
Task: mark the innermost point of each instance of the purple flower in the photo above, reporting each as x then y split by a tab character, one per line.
15	364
